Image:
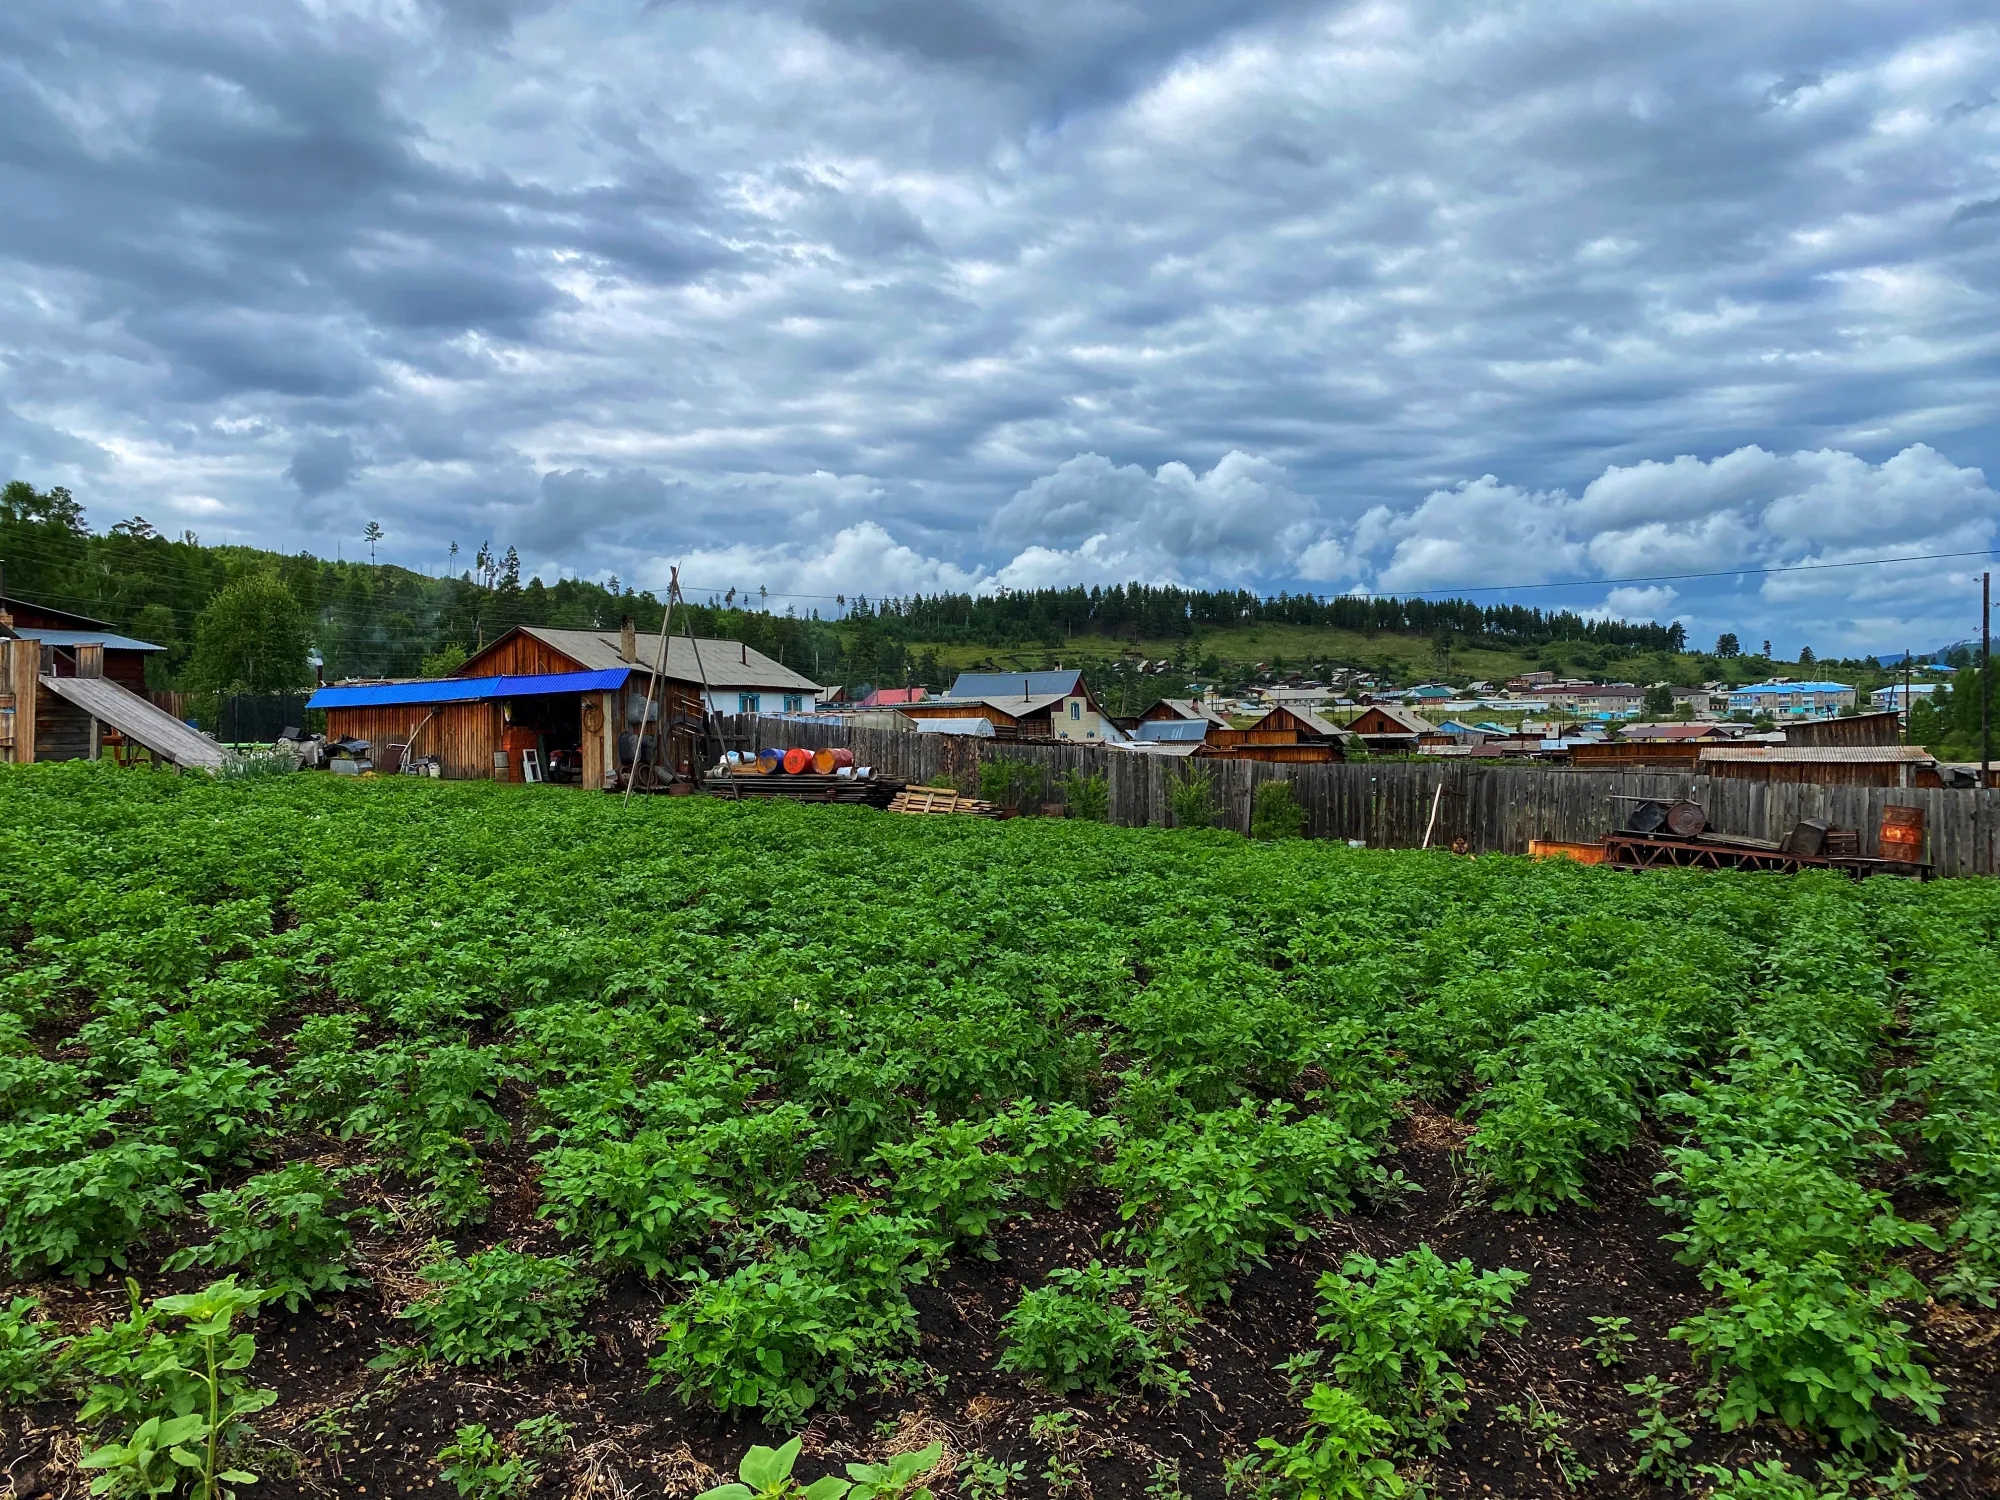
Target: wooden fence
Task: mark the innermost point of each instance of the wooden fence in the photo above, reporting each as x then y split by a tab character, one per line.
1387	804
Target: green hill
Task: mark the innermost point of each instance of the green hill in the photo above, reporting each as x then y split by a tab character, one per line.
368	620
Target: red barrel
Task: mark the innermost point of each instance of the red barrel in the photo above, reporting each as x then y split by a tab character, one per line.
798	759
826	762
1902	836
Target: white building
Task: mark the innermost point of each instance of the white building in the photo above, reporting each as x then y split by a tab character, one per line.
1900	697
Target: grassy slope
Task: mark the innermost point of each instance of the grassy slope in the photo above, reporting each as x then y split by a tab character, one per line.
1405	657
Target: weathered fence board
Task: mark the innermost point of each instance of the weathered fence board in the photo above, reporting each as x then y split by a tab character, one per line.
1495	808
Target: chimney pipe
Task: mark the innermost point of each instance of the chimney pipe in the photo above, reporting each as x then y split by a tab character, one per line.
628	640
744	648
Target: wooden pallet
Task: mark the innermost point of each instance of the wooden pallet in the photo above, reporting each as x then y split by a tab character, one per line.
940	799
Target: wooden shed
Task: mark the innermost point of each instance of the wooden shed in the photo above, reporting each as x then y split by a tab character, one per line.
1831	765
574	697
59	634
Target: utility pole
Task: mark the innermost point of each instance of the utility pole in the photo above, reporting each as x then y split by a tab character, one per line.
1985	677
1906	695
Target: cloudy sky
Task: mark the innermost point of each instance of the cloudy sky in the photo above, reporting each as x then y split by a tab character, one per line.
841	296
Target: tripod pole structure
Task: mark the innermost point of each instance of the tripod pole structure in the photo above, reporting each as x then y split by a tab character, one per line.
652	683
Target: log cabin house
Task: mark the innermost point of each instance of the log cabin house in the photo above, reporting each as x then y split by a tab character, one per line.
1387	728
1289	736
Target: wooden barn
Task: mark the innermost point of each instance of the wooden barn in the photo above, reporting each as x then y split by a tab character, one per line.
573	697
1291	736
1389	728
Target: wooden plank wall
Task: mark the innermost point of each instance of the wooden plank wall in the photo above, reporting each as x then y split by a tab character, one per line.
1386	804
519	656
461	735
62	730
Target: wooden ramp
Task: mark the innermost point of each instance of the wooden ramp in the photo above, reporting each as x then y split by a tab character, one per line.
139	721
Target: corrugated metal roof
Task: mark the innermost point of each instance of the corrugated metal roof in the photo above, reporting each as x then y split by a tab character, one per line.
724	664
467	689
69	638
1188	708
1181	731
1051	684
1013	706
975	727
1819	754
1671	731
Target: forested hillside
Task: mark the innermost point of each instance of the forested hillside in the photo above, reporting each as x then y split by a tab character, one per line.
369	620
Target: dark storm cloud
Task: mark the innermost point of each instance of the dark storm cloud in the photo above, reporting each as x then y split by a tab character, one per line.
323	464
979	291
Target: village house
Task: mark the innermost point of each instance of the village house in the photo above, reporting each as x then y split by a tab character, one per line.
1292	736
1389	728
1056	705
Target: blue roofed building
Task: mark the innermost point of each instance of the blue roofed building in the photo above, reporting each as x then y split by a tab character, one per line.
1782	698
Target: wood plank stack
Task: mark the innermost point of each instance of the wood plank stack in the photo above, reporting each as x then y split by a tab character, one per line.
919	800
871	791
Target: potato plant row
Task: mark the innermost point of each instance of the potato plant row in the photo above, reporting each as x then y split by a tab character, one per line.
784	1064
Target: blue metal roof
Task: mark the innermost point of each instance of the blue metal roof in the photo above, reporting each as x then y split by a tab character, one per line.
467	689
1173	731
69	638
1017	684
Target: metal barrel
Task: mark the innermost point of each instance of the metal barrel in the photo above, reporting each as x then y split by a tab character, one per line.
798	759
1902	835
826	762
1685	819
769	760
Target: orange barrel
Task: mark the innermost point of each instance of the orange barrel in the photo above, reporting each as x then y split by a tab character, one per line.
797	760
826	762
1902	836
769	760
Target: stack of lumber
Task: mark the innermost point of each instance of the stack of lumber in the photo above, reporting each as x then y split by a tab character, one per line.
940	799
873	791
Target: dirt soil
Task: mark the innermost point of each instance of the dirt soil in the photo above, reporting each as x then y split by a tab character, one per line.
340	1428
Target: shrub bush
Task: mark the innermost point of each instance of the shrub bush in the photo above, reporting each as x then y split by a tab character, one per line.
1275	812
1191	795
1086	797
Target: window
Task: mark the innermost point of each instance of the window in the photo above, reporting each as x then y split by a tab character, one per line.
1075	709
795	703
746	703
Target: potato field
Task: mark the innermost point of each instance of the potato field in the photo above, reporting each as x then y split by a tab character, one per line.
417	1138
